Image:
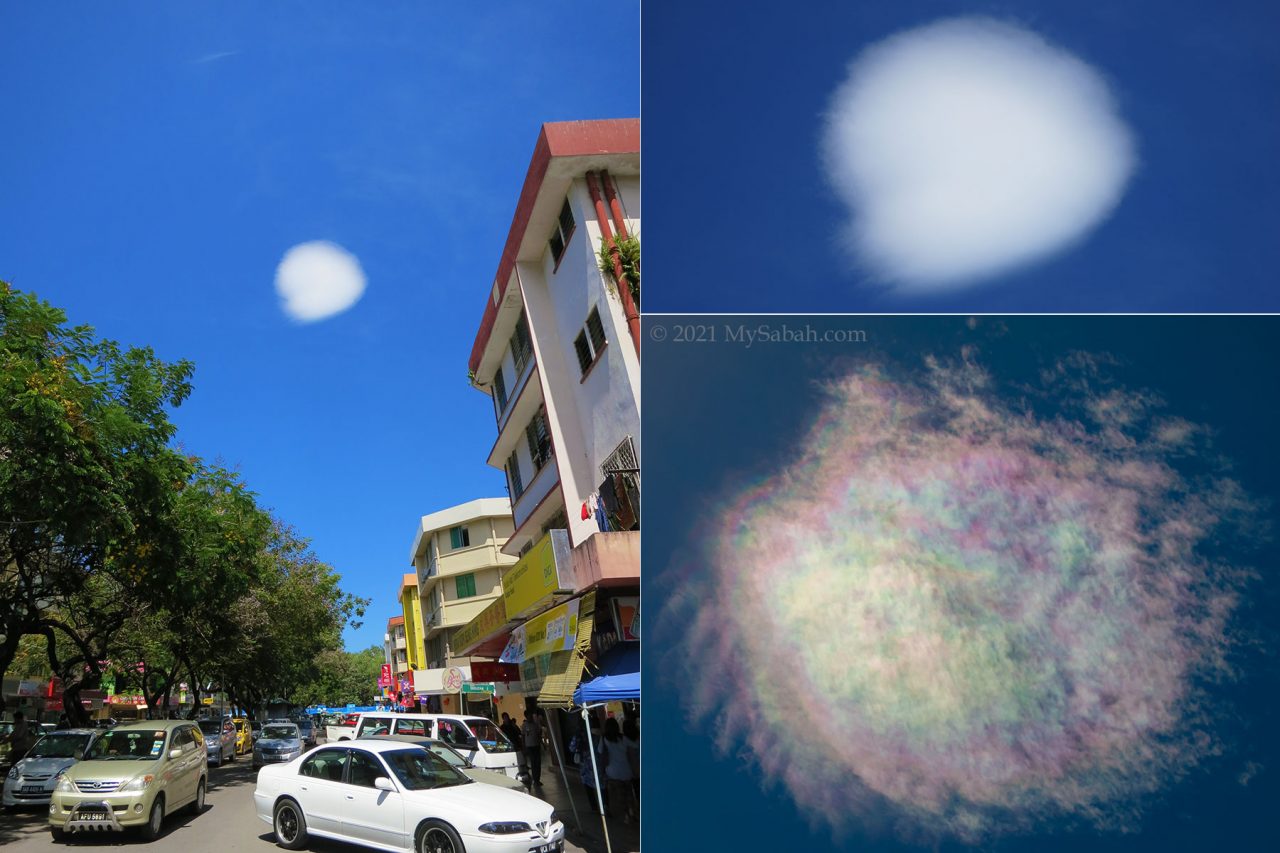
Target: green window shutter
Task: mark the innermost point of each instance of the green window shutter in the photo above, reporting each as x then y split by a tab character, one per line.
465	585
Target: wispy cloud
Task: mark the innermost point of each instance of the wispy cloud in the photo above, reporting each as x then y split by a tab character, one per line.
318	279
214	57
970	147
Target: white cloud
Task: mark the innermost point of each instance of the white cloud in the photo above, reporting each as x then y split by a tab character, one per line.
969	147
317	280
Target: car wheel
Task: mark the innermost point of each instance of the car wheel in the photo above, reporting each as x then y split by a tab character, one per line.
151	831
233	755
437	837
290	825
198	806
56	833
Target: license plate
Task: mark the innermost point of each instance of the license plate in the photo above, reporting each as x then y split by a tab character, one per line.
557	847
33	789
92	815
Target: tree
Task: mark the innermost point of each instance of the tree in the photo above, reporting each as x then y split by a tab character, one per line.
86	474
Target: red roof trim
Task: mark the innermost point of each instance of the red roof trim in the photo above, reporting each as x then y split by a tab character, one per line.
556	139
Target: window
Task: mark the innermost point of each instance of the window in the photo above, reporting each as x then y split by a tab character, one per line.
459	537
325	764
364	768
466	585
564	231
513	473
521	345
590	341
411	727
539	438
500	388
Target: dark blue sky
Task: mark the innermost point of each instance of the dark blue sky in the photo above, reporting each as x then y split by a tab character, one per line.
727	414
740	205
159	159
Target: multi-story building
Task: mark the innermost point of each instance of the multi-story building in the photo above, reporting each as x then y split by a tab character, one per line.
411	610
558	354
395	646
459	562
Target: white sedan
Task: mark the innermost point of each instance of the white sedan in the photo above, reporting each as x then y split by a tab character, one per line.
393	796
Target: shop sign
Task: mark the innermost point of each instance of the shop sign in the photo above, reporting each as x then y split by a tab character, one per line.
553	631
626	617
28	688
546	570
472	687
489	620
484	670
384	680
128	699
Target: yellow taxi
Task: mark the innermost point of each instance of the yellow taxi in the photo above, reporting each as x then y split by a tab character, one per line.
244	735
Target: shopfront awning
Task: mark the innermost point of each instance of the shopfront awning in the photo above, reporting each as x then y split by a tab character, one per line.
565	668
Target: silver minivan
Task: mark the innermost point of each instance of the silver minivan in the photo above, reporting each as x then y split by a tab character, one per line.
477	738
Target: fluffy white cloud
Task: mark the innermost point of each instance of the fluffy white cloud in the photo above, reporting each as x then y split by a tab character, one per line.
969	147
317	280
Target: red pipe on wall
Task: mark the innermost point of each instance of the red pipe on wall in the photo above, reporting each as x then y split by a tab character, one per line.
624	288
611	193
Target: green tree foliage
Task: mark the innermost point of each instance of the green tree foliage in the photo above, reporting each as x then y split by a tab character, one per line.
117	553
86	473
342	677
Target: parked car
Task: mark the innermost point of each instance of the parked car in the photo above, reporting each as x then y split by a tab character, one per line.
343	729
459	761
219	739
390	795
279	742
307	729
256	727
132	776
31	779
244	735
477	738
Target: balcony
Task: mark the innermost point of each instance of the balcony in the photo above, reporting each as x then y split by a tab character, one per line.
608	559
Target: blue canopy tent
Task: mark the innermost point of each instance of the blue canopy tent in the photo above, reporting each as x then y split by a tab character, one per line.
618	679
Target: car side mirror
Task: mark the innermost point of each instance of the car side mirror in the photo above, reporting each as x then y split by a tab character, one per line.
175	753
382	783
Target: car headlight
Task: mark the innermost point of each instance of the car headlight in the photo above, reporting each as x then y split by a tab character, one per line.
137	784
505	827
13	772
65	786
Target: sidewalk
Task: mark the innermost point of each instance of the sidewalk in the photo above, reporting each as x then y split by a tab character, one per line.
624	838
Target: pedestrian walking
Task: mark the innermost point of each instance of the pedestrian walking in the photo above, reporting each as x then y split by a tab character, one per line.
631	735
617	772
531	734
512	731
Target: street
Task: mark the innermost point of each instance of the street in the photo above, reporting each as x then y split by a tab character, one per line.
229	822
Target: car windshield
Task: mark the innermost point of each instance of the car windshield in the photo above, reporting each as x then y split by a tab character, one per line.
490	736
211	727
58	746
419	770
279	732
129	744
451	758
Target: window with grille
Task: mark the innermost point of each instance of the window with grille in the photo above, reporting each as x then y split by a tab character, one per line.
513	472
465	585
521	345
590	341
459	537
500	389
564	231
539	438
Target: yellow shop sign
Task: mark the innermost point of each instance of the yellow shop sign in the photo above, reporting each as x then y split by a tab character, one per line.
545	571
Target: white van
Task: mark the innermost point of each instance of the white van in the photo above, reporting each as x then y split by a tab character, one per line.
478	738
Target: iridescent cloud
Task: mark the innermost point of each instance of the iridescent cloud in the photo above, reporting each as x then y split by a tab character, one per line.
950	616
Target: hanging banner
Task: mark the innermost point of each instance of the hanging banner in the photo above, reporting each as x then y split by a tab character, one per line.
384	680
553	631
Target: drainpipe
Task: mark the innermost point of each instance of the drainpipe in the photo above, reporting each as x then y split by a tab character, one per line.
615	206
624	288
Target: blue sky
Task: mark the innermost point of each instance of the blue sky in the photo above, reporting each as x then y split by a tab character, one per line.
160	159
735	126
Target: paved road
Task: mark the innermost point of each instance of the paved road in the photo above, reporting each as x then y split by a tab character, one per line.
229	823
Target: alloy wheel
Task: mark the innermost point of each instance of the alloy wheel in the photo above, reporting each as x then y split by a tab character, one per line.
287	824
436	840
